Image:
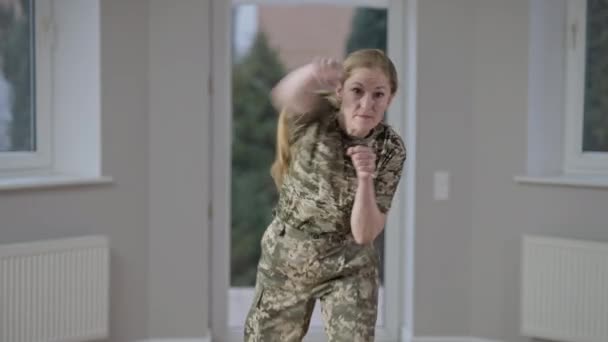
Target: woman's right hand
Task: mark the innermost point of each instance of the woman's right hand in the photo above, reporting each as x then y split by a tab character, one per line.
296	92
327	72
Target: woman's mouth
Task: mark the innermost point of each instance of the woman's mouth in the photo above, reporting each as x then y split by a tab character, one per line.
365	116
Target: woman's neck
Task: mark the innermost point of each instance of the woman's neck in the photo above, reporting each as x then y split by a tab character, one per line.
350	133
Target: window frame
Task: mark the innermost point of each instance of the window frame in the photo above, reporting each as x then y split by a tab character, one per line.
41	157
576	161
70	93
366	3
398	317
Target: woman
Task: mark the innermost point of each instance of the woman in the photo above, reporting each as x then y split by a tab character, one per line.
337	169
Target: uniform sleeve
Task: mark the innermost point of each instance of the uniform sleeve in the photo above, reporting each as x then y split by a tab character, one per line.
299	122
389	174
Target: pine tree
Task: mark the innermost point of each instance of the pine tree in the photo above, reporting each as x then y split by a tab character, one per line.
595	134
368	30
15	52
253	191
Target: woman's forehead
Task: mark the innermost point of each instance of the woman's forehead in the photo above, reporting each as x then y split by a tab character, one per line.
368	77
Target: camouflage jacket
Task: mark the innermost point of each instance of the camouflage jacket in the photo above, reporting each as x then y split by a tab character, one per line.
319	187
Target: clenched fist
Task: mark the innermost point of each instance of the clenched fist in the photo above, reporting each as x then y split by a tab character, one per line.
364	161
327	72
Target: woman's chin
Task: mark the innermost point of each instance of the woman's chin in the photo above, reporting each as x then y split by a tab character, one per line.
359	132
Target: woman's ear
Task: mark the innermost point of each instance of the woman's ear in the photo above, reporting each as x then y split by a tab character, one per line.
339	90
390	99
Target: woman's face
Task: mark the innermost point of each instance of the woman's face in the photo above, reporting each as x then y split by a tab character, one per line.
364	97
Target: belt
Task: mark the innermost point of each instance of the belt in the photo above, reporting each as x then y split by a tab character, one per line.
302	234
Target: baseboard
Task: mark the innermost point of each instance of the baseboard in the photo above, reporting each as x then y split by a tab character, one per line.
414	339
204	339
406	334
450	339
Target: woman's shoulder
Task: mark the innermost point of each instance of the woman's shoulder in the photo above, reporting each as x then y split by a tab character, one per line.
390	141
323	109
320	116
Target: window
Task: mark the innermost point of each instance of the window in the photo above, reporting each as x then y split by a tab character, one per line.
260	38
24	85
50	94
568	94
587	88
265	48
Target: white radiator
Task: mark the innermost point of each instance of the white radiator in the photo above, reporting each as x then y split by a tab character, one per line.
564	289
54	291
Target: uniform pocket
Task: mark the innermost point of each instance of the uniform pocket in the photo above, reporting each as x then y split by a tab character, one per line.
257	298
270	236
267	301
368	288
373	255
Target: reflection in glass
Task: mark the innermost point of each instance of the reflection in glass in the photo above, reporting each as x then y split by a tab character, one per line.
595	124
17	118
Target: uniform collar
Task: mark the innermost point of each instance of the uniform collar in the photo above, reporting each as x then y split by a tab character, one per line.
350	140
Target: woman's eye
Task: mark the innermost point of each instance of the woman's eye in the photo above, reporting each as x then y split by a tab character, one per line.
357	91
379	94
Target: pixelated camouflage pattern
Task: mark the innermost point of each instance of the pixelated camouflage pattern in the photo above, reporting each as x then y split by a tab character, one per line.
319	188
295	270
308	251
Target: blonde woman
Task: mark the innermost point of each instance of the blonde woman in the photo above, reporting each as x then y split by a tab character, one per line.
337	168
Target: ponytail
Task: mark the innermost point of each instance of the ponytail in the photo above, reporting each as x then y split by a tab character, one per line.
282	159
283	149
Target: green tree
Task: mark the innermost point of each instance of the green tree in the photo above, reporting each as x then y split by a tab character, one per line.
15	53
368	30
595	134
253	191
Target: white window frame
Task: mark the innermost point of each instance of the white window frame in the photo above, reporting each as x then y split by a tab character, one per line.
577	162
361	3
68	101
398	321
556	73
40	158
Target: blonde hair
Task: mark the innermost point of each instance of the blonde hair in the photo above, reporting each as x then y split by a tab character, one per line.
282	154
365	58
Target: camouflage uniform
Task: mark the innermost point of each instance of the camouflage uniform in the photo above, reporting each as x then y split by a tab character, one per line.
308	251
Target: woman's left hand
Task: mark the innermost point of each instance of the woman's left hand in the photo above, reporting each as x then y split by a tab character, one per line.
364	161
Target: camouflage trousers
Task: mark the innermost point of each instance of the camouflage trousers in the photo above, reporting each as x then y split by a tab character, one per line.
297	268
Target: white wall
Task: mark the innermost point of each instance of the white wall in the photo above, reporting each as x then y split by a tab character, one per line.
443	229
178	168
502	209
118	210
154	57
499	145
473	102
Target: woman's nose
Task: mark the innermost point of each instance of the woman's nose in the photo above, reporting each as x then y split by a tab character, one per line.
367	102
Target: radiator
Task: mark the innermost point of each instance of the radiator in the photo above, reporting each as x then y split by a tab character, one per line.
564	289
54	291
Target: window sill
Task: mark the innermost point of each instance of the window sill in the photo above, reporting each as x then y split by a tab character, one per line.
45	181
584	181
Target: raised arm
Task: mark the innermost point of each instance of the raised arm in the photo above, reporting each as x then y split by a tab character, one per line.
298	91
